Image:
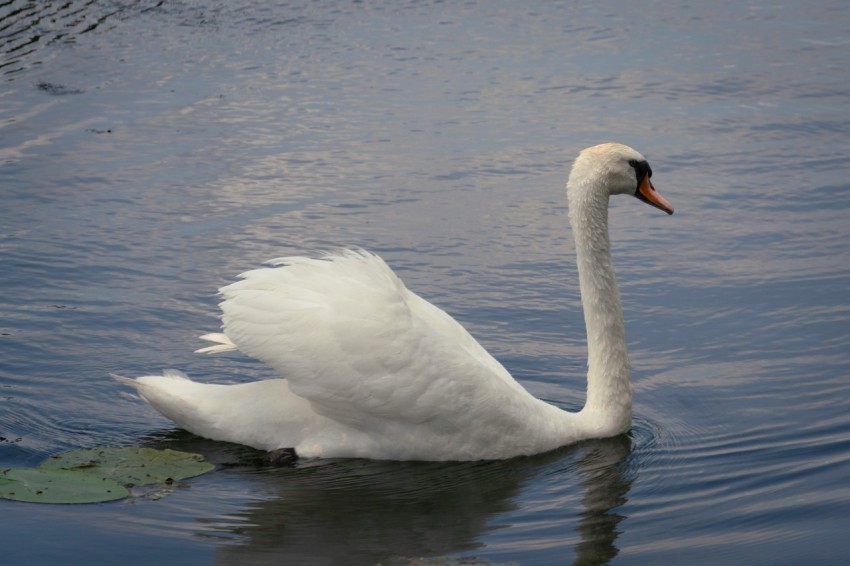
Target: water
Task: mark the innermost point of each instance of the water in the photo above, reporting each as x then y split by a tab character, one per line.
152	150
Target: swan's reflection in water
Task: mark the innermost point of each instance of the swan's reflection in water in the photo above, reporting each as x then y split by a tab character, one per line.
367	512
604	477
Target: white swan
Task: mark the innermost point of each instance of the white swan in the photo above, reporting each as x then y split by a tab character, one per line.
372	370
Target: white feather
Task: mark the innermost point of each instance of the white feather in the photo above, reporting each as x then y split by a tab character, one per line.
223	344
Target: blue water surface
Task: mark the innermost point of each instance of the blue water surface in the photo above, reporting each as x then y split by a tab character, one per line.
152	150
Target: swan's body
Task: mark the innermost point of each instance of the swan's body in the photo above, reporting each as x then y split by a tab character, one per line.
372	370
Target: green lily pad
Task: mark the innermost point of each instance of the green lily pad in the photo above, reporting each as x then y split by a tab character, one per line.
58	486
132	466
98	474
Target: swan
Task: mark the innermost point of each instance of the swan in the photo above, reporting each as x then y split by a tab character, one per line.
371	370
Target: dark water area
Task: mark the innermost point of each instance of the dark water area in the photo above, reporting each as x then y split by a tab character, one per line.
152	150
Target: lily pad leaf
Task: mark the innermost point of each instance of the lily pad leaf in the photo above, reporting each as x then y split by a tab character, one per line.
132	466
58	486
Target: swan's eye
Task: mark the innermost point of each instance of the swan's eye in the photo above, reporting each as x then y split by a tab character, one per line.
642	169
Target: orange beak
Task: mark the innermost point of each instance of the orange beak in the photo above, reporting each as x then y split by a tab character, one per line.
647	193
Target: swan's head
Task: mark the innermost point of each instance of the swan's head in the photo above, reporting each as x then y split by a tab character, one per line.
615	169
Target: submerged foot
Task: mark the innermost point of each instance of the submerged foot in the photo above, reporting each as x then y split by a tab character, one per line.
282	457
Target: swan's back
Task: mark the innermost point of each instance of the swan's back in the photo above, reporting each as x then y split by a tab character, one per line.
374	357
350	310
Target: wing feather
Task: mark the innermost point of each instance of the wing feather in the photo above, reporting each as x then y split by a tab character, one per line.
353	340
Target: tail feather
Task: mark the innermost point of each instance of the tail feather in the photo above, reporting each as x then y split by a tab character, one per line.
262	414
125	380
223	344
174	395
137	383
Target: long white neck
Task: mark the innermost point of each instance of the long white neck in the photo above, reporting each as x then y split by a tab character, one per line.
609	387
